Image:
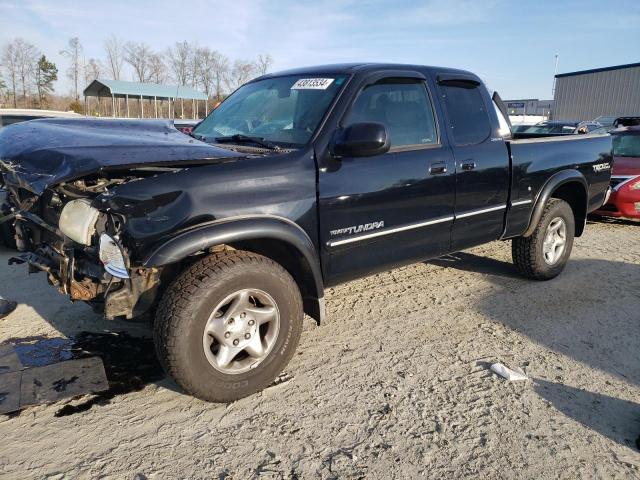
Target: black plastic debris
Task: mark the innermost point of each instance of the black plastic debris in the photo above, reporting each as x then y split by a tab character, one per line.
24	385
129	361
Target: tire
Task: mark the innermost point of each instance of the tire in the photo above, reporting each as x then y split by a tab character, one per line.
188	307
529	252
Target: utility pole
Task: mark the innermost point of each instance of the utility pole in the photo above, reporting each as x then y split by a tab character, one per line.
555	72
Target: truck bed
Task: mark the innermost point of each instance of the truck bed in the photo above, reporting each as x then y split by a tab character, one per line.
535	160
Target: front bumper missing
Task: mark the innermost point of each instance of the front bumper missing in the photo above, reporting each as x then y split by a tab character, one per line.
78	273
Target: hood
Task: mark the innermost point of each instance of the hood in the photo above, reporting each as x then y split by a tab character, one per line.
37	154
626	166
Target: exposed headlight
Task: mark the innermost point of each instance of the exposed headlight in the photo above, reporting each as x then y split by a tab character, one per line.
112	258
636	185
78	221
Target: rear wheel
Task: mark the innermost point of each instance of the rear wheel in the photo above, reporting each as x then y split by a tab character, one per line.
228	325
544	254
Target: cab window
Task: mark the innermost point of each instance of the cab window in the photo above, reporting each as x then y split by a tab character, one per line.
403	106
468	116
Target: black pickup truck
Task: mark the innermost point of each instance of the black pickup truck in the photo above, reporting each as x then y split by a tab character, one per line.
298	181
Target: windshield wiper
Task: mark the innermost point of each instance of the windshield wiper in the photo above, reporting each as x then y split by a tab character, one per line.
239	138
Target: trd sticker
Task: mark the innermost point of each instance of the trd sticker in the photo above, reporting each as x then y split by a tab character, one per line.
599	167
358	228
312	84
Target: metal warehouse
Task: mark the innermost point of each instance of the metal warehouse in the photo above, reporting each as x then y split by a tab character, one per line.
609	91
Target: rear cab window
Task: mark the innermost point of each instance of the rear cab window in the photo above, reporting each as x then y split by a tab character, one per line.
468	117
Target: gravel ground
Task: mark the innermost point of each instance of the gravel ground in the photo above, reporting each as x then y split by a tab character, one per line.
394	385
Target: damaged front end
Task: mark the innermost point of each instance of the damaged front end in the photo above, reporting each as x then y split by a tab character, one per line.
81	248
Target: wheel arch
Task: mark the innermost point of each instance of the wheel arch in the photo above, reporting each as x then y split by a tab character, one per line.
274	237
567	185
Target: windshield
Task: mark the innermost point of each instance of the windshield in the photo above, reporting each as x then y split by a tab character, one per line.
551	128
626	145
284	111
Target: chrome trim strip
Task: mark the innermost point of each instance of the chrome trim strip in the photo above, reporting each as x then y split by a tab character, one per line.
380	233
481	211
521	202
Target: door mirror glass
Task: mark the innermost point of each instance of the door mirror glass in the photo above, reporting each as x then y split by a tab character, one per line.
360	140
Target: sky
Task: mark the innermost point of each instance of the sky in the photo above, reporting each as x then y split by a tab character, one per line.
511	45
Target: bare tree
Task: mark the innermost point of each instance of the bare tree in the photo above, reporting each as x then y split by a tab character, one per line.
179	61
93	70
74	52
213	66
115	56
138	56
157	68
242	72
263	63
193	67
25	56
10	66
221	70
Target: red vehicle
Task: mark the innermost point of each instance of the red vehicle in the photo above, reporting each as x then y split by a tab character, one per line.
625	179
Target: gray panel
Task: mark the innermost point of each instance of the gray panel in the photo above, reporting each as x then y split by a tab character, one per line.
584	97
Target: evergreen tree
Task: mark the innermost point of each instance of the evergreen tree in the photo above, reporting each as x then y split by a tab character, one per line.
46	74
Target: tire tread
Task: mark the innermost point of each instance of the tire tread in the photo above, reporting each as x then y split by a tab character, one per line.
177	304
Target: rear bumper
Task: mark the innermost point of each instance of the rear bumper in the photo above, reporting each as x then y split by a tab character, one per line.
621	204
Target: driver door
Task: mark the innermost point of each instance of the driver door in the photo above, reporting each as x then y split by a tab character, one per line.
392	209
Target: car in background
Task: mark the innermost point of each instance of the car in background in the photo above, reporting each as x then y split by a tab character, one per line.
606	121
625	177
520	128
9	116
185	126
553	128
626	121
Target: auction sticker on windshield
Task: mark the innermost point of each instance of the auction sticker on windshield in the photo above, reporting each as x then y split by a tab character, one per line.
312	84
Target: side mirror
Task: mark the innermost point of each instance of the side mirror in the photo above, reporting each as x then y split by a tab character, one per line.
360	140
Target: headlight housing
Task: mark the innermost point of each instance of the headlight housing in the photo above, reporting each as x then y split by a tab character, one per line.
112	258
78	221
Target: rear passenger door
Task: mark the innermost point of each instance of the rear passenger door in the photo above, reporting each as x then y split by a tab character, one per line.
481	162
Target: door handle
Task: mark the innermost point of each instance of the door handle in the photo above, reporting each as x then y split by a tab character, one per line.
438	168
468	166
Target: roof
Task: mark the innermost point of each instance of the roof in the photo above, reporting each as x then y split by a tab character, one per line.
596	70
31	112
119	88
350	68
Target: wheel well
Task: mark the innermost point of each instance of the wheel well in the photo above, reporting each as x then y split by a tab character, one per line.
575	195
294	262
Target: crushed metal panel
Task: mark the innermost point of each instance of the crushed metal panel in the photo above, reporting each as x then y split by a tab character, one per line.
9	360
10	391
62	380
20	387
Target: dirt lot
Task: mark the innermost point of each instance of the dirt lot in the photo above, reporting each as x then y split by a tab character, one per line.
395	385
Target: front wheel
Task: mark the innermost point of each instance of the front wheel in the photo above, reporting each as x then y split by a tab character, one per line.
544	254
228	325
